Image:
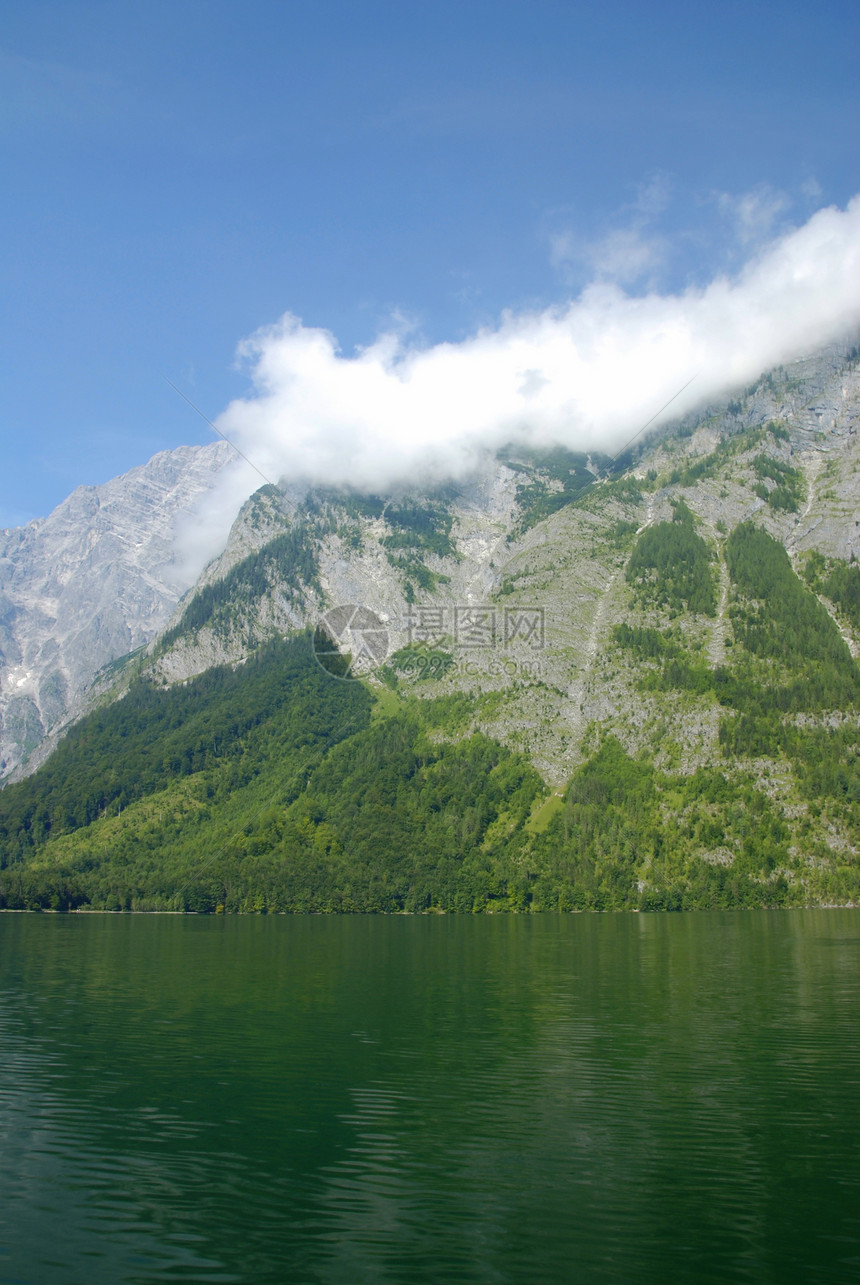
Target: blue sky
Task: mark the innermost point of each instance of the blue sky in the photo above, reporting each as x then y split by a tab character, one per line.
178	175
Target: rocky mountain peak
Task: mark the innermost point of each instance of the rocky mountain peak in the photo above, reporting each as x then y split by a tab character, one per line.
89	583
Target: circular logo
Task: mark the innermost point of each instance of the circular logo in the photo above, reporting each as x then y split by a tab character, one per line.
350	640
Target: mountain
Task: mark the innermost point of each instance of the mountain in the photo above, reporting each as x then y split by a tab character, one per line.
565	683
546	535
86	585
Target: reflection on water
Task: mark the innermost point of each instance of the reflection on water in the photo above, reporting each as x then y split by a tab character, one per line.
620	1098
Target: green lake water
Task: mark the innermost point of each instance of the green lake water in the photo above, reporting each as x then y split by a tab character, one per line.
636	1098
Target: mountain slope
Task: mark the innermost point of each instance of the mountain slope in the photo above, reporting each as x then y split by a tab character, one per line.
268	787
542	540
601	687
88	584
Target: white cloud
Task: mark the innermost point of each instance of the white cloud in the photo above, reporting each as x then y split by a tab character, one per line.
587	375
627	253
201	534
755	213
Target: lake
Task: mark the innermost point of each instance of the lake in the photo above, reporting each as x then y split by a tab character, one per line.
479	1099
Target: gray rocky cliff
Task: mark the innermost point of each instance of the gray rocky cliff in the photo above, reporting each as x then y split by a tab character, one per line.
90	583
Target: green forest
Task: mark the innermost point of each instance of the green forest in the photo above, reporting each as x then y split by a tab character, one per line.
671	566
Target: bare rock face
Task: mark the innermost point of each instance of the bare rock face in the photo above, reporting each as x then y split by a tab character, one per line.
354	565
88	584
